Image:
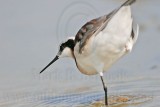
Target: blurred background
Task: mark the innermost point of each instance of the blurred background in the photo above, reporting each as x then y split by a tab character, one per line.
30	34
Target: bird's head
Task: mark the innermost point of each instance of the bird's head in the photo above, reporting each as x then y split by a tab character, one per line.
65	50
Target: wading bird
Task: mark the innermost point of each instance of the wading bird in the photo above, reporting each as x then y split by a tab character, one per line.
101	42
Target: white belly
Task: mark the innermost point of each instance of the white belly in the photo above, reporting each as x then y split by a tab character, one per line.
100	60
108	46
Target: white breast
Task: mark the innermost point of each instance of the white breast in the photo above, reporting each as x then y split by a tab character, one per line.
108	46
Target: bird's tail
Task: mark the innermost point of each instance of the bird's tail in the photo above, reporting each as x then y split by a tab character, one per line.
128	2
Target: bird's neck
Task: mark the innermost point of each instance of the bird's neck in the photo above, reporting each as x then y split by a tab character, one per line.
71	53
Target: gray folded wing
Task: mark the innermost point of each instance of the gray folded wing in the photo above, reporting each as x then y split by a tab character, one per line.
94	26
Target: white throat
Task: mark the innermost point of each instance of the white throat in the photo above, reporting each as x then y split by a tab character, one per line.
67	52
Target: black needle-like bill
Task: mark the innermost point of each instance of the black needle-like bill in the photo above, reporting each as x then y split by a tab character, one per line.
56	58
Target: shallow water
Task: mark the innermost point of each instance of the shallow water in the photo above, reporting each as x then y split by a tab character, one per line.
27	44
143	92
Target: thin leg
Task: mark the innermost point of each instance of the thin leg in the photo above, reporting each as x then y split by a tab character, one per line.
105	89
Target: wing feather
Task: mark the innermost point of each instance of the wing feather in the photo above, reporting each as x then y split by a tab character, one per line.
94	26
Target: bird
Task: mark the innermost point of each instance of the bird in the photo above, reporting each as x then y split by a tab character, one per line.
101	42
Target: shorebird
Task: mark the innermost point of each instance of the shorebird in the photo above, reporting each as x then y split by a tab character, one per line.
101	42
